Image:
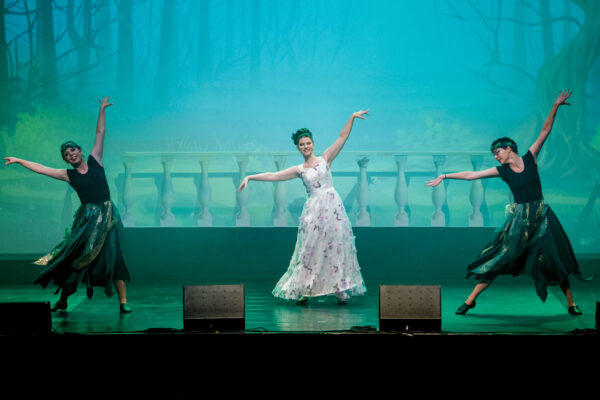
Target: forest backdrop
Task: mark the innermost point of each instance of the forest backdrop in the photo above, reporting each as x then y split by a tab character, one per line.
242	75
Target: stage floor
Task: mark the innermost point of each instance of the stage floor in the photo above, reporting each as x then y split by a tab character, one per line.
509	306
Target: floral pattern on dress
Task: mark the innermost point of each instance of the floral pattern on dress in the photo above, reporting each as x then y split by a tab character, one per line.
324	260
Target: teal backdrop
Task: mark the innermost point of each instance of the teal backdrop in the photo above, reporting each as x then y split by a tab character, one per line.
227	77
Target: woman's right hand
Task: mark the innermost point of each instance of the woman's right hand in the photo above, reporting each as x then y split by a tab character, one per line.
11	160
243	184
436	181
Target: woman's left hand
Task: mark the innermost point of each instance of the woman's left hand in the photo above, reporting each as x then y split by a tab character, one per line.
104	102
359	114
562	97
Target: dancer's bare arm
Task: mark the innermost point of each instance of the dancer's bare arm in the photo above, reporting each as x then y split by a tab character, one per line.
465	175
547	127
283	175
331	153
98	148
60	174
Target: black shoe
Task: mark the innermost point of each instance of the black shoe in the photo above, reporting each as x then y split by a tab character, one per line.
301	301
125	309
462	310
59	305
574	310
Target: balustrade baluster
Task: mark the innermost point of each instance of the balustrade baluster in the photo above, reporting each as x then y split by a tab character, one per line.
242	218
203	215
401	193
127	196
166	194
476	194
279	195
438	194
362	195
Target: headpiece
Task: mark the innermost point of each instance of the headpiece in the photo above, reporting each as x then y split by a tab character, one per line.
299	134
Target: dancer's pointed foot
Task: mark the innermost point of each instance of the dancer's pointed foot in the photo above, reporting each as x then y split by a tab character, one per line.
59	305
302	301
574	310
462	310
125	309
341	301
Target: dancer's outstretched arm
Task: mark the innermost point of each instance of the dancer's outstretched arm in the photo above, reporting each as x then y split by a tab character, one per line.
60	174
283	175
465	175
98	148
547	127
331	153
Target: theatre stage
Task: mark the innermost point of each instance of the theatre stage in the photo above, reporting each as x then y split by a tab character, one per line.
163	260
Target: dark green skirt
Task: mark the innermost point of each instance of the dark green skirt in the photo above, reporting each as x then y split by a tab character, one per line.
90	253
533	242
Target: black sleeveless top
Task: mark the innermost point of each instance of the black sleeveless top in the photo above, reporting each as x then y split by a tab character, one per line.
525	186
92	186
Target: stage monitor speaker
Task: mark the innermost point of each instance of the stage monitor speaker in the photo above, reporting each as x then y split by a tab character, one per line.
410	308
25	318
213	308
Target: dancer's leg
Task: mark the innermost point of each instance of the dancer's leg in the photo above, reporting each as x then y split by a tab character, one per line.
470	302
480	287
67	289
566	288
122	292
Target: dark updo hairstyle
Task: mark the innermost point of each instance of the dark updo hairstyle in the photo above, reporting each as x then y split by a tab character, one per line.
299	134
66	145
504	142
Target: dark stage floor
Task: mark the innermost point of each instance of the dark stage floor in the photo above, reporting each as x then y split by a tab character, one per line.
509	306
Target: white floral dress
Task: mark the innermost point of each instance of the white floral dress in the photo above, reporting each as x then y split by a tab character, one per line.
324	260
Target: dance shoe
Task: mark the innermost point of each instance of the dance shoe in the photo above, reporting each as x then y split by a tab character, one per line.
462	310
301	301
574	310
125	309
341	301
59	305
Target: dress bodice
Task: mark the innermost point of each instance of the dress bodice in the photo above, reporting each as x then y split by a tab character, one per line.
317	179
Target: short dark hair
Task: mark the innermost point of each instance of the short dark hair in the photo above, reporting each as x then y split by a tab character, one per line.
66	145
504	142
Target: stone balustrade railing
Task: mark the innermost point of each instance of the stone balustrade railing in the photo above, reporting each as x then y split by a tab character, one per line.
202	180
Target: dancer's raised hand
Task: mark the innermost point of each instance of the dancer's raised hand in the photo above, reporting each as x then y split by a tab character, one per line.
562	97
359	114
105	103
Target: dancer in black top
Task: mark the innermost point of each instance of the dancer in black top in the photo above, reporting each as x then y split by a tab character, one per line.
91	253
532	240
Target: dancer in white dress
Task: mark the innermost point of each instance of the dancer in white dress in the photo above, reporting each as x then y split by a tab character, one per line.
324	262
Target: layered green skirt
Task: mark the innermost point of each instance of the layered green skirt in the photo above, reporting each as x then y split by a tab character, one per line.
533	242
91	253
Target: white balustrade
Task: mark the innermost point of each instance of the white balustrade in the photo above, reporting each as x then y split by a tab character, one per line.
438	194
127	195
279	195
476	194
203	216
362	195
166	193
401	193
203	189
242	218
